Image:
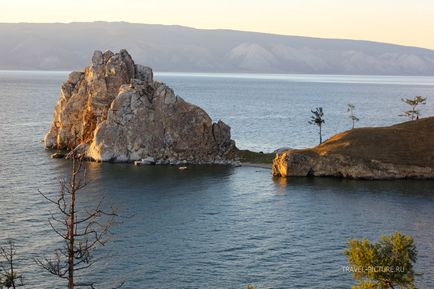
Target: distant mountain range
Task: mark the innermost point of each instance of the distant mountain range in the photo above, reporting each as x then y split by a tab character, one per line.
60	46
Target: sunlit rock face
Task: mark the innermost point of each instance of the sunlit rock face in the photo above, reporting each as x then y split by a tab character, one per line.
401	151
115	111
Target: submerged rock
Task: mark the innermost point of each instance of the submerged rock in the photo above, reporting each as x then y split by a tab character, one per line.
145	161
58	156
115	111
404	150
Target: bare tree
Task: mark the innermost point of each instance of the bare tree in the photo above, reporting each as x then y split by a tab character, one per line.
351	111
81	230
413	113
318	119
9	276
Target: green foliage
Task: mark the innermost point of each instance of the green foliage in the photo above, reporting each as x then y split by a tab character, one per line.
365	285
318	119
384	264
248	156
351	110
413	113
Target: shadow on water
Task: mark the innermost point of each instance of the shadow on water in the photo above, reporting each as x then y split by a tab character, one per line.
422	188
145	175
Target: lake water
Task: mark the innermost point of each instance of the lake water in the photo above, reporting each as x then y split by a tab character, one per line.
219	227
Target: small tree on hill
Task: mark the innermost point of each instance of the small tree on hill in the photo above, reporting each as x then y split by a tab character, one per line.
81	230
384	264
318	119
9	277
413	113
351	110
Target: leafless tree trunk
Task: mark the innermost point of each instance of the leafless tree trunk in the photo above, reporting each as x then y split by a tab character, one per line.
81	230
9	275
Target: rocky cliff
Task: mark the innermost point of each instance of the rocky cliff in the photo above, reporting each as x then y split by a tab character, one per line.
115	111
404	150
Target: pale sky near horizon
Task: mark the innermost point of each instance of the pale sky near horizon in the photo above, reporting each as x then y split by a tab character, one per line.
394	21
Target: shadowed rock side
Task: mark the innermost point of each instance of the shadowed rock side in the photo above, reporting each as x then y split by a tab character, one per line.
404	150
115	111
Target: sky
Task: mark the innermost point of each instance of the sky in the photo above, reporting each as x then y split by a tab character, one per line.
407	22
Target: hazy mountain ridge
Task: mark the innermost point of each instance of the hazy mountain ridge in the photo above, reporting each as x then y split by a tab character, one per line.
176	48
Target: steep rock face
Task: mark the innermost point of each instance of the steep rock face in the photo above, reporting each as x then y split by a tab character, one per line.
85	98
115	111
404	150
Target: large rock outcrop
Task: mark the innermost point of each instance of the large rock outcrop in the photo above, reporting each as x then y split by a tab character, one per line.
115	111
404	150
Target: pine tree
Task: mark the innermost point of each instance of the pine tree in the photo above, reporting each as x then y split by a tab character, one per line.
413	113
318	119
383	264
351	110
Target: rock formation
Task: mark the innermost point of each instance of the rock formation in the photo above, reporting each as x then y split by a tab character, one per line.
115	111
404	150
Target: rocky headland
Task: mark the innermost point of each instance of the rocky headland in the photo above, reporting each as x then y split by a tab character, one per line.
404	150
115	111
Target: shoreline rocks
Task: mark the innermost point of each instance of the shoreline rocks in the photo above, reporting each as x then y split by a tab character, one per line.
400	151
145	161
57	156
114	111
